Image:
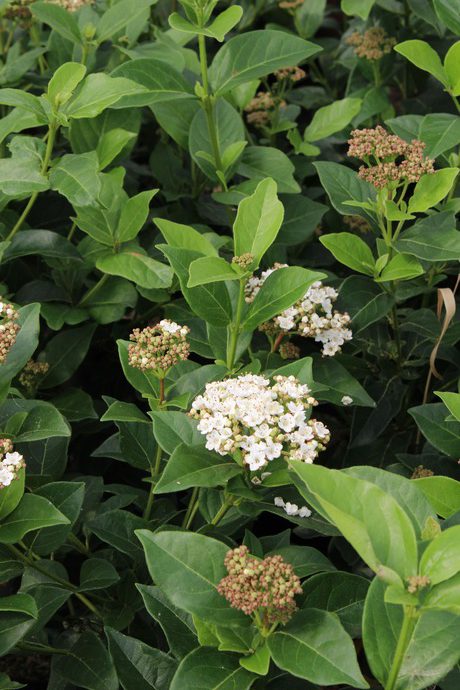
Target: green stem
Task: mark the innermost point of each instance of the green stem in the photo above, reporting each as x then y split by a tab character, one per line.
64	583
191	509
52	131
376	73
222	511
75	541
157	465
72	231
209	106
235	327
38	648
405	635
87	296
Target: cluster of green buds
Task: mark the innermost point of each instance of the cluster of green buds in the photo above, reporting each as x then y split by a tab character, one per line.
8	328
373	44
32	373
157	348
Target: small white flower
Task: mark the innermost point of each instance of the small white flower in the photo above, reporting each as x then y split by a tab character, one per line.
347	400
291	509
171	326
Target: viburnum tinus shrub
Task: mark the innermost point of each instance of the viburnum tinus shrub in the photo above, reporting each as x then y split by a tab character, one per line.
229	408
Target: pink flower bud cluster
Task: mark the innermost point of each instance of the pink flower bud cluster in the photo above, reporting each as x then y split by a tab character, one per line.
382	153
373	44
268	587
10	463
19	9
260	108
158	347
290	4
290	74
8	328
32	373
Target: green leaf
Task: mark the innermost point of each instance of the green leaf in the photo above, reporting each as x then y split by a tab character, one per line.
442	492
445	436
255	54
112	144
451	401
420	240
281	289
441	558
100	91
368	517
359	8
120	15
64	82
119	411
440	132
18	613
136	266
67	497
21	177
401	267
314	646
305	560
210	302
332	118
208	669
64	353
134	214
210	269
432	651
188	568
191	466
25	101
350	250
58	19
340	593
116	527
87	664
258	221
445	596
43	420
97	573
260	162
452	68
448	12
421	54
161	81
33	513
343	184
76	176
336	381
173	428
225	22
138	665
44	243
431	189
185	237
176	624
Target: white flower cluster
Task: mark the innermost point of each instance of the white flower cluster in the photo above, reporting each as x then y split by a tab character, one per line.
312	316
291	508
246	415
173	327
10	463
347	400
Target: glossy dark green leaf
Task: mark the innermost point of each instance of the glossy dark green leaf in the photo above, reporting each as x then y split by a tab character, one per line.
64	353
445	436
87	664
209	669
33	513
188	568
314	646
191	466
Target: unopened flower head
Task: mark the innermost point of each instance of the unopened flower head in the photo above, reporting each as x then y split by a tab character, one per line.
389	159
19	9
357	223
373	44
289	351
312	316
290	4
11	462
261	107
421	472
417	582
347	400
290	74
158	347
292	509
268	586
32	373
259	421
244	261
8	328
